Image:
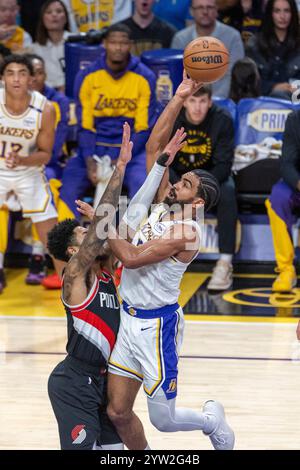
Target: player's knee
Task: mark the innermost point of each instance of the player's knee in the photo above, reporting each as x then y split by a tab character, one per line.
161	420
119	415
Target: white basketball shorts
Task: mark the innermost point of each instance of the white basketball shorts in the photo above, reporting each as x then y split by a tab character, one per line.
32	190
147	347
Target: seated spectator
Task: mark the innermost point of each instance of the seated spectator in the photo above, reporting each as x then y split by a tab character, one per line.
245	16
210	146
276	49
284	199
245	80
205	13
96	14
147	31
11	35
175	12
52	31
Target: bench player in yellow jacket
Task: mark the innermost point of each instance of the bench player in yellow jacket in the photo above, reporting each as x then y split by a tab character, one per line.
114	89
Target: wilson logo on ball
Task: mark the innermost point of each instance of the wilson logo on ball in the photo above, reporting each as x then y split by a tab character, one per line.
216	59
206	59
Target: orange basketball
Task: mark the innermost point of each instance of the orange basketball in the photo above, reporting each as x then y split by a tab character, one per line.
206	59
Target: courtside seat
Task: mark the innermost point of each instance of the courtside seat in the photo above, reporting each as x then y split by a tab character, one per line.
227	104
257	119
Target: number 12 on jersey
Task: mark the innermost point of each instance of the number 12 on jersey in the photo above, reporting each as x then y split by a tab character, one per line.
7	147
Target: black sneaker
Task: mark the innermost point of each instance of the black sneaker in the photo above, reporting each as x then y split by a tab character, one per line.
2	280
36	271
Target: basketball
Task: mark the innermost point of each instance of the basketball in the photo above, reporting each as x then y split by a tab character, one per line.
206	59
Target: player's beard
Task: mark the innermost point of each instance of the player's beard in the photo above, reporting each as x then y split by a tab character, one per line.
175	204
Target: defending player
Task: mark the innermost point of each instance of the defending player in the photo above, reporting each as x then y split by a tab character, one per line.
77	386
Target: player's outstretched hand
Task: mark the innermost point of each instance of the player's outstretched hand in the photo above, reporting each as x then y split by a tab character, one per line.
175	144
126	147
187	87
85	209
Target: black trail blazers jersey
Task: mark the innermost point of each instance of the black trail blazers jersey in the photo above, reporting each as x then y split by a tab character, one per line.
93	325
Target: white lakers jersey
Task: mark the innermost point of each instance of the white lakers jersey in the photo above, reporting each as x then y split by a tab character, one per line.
154	285
19	133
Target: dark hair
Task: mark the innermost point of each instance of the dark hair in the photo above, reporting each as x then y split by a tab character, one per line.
204	90
208	189
4	51
16	59
41	31
245	80
118	28
61	237
267	40
33	57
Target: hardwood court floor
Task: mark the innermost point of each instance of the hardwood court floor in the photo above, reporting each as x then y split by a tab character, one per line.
252	367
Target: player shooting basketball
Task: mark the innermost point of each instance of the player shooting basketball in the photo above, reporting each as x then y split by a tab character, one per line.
151	328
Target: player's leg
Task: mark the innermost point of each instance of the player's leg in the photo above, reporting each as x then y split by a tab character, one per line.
36	267
109	438
160	371
166	417
124	381
33	192
122	392
75	399
280	207
227	214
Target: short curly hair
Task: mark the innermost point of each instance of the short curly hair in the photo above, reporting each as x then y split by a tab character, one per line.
60	237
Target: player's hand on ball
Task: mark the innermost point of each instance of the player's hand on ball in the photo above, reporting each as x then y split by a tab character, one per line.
187	87
85	209
175	144
126	147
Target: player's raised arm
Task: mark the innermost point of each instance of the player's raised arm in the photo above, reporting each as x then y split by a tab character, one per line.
162	130
82	261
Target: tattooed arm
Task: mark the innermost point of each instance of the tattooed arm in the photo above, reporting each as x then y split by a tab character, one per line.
78	276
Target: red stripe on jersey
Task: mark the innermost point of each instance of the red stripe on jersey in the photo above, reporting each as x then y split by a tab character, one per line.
105	277
89	299
97	322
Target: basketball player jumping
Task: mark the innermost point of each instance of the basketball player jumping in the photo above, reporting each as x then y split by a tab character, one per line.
151	328
27	126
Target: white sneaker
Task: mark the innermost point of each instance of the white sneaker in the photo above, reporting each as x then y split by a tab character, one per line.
221	278
222	437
